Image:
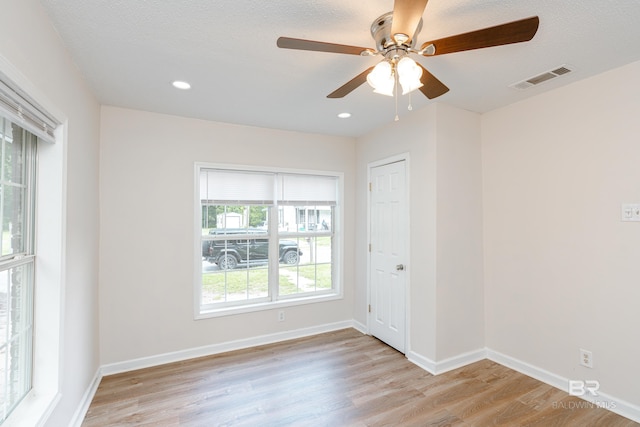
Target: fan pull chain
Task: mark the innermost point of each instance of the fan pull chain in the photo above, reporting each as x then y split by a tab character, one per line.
410	107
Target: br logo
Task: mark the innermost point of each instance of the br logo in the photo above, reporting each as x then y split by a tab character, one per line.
581	388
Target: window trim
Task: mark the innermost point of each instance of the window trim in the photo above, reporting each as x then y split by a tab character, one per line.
50	270
338	272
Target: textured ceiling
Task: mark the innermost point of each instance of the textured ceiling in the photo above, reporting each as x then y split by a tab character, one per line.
131	50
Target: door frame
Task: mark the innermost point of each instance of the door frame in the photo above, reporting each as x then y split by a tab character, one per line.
402	157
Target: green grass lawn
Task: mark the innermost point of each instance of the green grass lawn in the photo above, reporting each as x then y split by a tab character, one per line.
254	281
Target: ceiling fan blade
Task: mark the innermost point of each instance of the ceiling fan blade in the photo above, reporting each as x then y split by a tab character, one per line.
512	32
300	44
433	87
406	17
351	85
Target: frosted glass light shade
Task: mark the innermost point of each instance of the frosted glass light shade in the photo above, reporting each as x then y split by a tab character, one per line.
381	79
409	74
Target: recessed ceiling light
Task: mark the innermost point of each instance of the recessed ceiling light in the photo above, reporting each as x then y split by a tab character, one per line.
181	85
344	115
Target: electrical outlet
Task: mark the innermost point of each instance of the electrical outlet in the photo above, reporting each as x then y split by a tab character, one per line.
631	212
586	358
281	316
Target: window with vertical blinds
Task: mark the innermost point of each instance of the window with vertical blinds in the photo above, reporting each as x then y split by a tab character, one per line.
266	237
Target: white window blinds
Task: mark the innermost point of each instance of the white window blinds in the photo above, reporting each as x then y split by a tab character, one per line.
25	112
296	189
237	187
248	187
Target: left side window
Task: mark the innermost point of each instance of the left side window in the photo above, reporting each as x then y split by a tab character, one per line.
17	178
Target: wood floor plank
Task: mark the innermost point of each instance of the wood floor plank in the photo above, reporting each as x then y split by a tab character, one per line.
341	378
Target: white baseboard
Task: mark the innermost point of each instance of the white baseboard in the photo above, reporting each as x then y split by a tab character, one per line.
613	404
460	360
451	363
360	327
423	362
532	371
603	400
81	412
208	350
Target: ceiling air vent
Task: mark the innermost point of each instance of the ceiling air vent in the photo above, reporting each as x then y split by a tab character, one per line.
541	78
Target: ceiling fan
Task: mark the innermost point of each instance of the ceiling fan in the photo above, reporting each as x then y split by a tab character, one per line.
395	35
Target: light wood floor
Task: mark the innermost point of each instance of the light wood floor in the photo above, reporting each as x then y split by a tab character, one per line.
341	378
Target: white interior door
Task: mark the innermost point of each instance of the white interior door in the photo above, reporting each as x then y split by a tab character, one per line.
388	254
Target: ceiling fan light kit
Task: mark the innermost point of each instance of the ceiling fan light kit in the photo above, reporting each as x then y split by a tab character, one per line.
409	75
384	75
395	34
381	79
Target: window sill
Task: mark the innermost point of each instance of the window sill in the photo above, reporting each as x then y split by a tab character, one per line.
249	308
33	410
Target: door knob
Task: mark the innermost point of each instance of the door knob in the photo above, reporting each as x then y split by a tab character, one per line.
399	267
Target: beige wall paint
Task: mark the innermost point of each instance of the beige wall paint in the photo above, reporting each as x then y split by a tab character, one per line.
460	292
562	272
445	266
147	210
31	49
414	135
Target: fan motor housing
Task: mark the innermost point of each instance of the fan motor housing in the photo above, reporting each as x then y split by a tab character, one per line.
381	32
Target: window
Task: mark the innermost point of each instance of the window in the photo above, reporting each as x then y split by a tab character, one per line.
29	355
17	169
265	237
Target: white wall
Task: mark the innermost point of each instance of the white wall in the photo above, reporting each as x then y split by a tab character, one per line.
445	196
147	222
562	272
31	51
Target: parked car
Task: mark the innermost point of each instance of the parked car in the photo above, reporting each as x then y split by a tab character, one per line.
227	254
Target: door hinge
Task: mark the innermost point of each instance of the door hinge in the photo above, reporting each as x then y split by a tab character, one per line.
370	187
369	308
369	247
